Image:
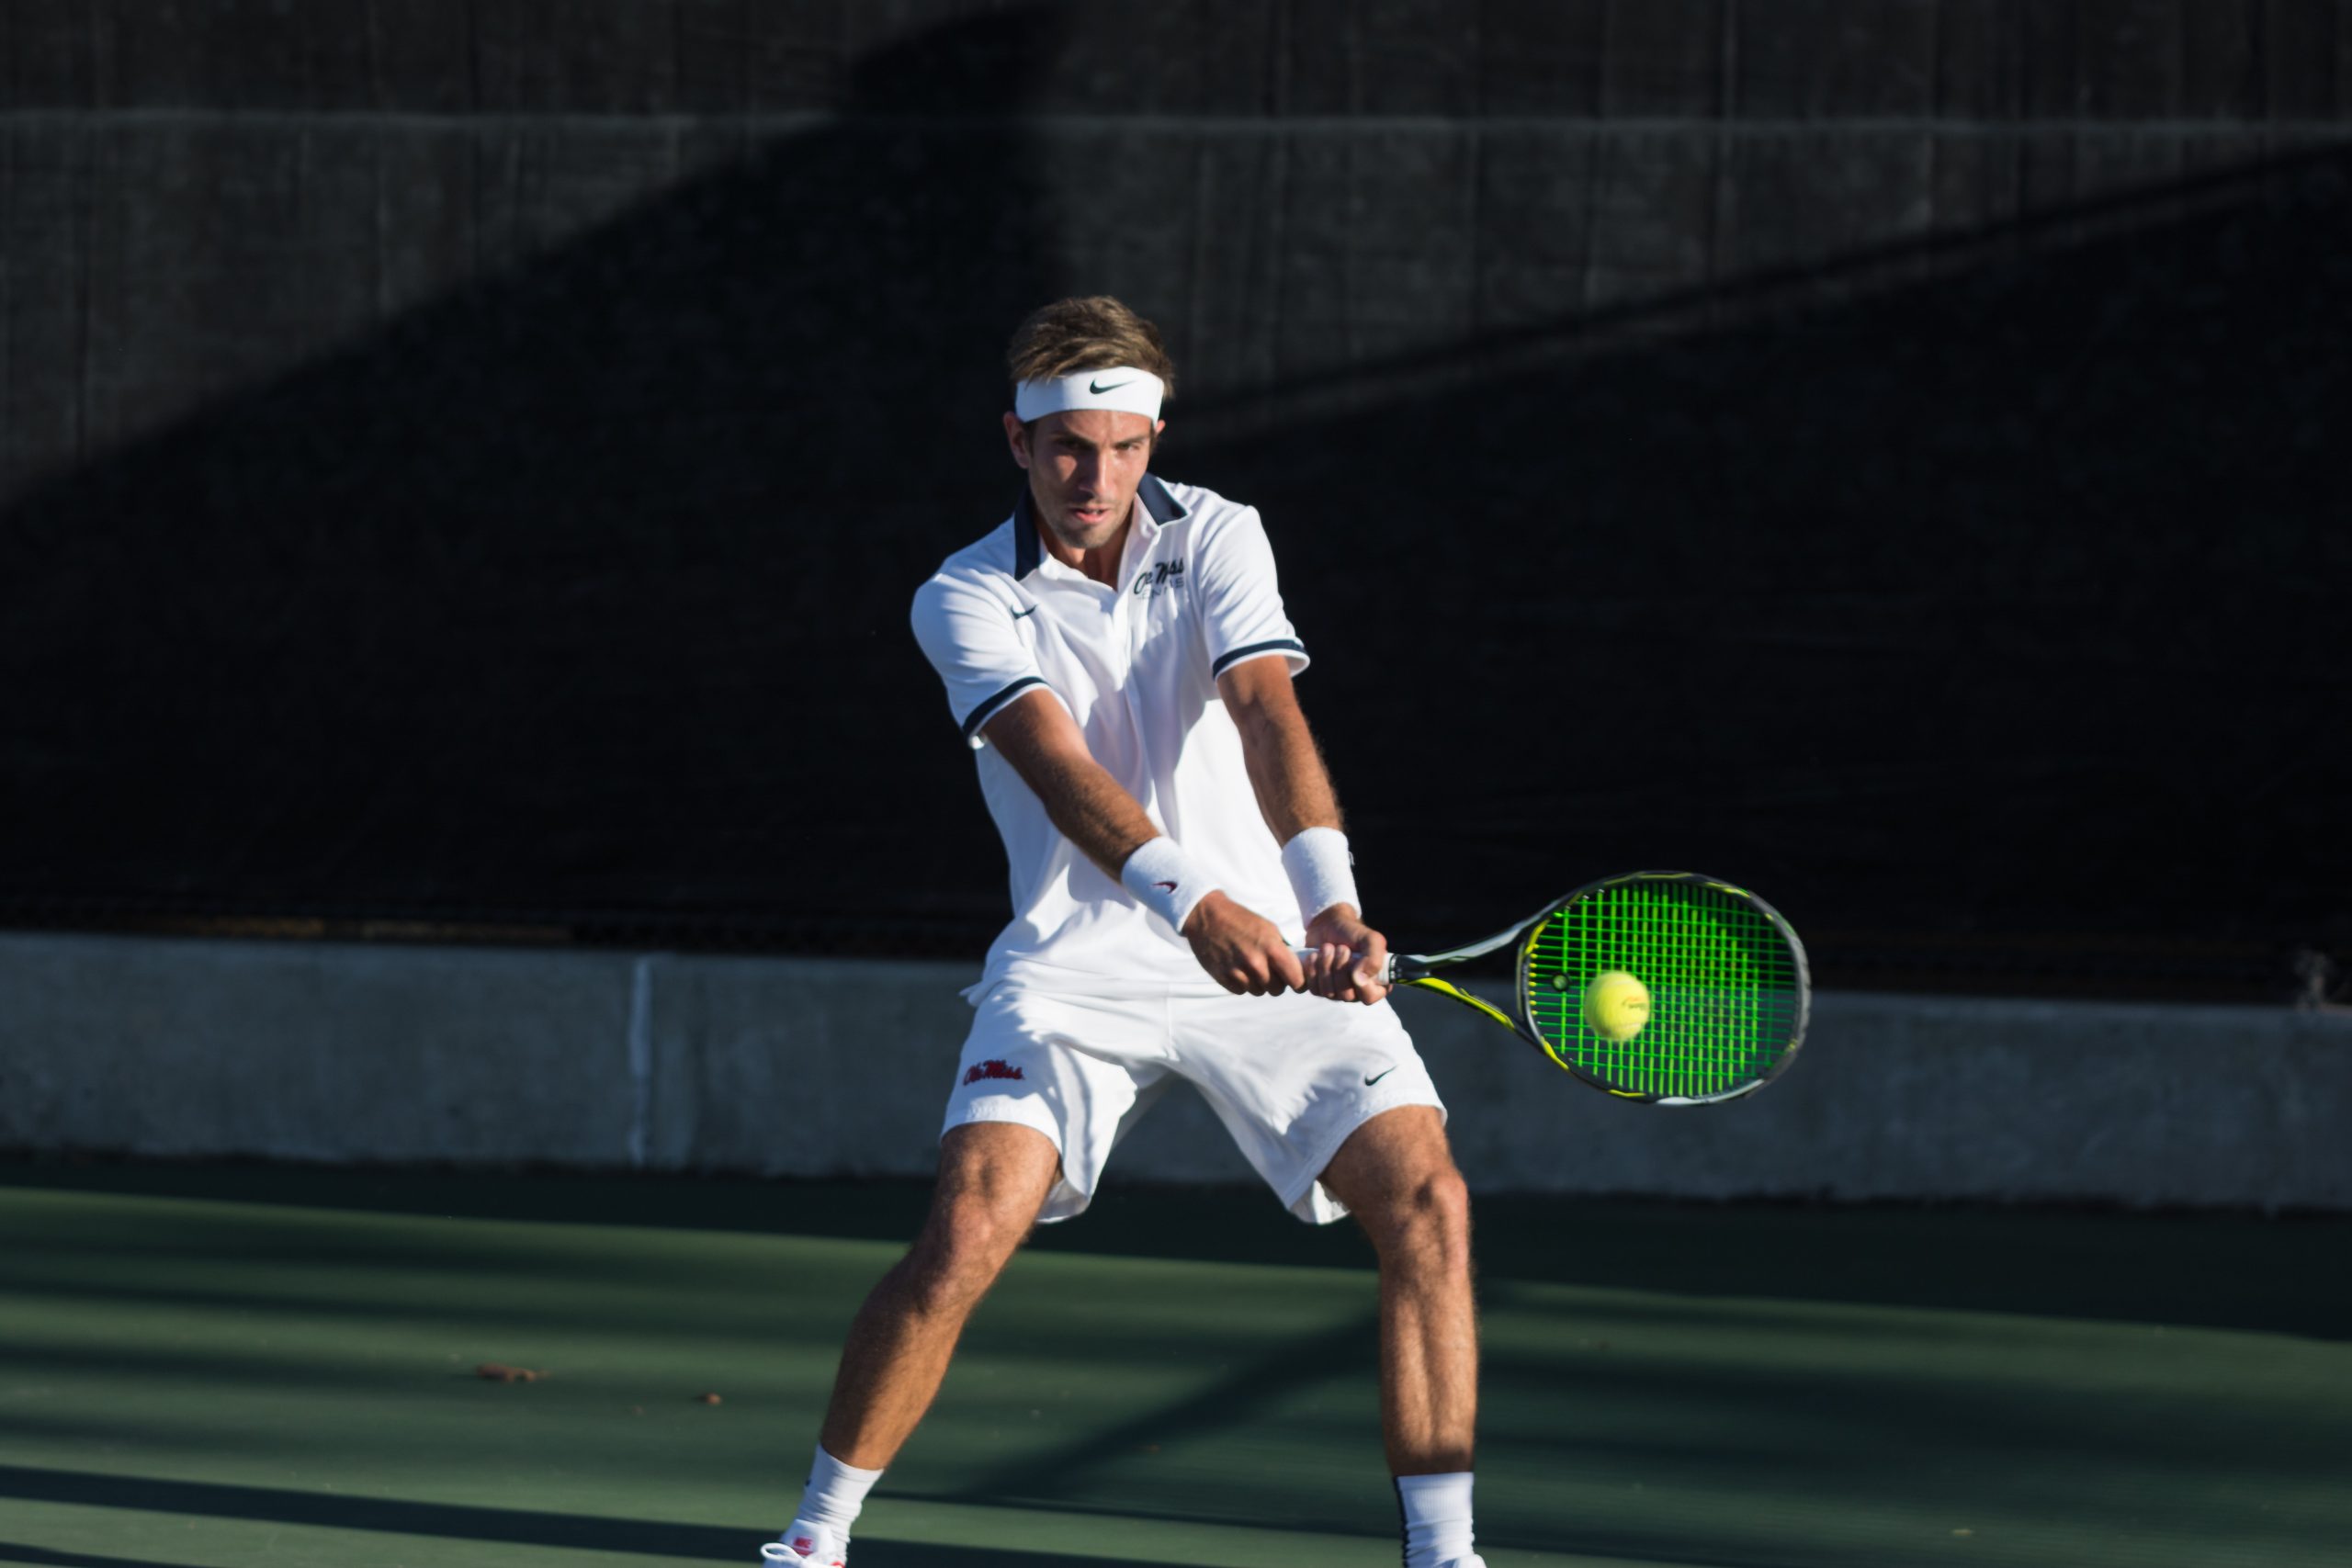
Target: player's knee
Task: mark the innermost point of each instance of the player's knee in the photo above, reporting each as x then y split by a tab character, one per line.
1440	1207
1444	1197
1430	1217
959	1258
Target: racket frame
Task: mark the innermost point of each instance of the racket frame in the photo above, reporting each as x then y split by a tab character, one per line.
1424	972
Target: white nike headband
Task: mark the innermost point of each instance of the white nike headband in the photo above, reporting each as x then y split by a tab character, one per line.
1122	389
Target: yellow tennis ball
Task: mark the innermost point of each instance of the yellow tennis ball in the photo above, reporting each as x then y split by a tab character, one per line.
1616	1005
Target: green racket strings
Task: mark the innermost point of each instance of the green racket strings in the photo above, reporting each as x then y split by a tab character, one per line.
1722	983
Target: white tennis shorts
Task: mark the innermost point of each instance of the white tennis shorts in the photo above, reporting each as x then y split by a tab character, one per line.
1290	1077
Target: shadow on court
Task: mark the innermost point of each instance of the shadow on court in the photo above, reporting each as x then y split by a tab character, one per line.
12	1554
512	1526
1756	1405
2290	1274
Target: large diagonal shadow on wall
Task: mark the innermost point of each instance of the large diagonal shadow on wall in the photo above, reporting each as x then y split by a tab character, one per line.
586	588
2003	603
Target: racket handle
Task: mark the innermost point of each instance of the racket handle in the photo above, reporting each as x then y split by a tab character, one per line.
1387	972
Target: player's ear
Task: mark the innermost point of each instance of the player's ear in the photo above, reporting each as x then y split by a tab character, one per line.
1016	435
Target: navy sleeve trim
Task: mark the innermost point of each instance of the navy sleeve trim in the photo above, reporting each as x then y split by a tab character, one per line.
1286	644
988	710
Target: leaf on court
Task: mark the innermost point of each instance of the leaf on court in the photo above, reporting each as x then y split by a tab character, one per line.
499	1371
706	1399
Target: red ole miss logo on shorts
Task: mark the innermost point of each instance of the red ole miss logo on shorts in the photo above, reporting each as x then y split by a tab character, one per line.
991	1070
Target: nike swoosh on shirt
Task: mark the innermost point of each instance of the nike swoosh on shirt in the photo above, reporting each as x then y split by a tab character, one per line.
1376	1077
1030	611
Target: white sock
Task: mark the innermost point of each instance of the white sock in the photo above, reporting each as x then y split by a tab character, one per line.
1437	1517
836	1492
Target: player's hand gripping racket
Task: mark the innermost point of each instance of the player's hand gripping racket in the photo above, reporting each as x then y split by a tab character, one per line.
1659	986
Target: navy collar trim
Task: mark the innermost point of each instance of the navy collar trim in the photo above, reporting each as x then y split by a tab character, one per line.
1162	507
1029	552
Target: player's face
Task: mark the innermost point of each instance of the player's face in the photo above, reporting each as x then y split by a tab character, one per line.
1083	470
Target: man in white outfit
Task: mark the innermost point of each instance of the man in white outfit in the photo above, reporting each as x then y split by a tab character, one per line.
1118	658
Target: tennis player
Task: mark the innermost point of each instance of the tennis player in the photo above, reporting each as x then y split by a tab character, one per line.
1118	658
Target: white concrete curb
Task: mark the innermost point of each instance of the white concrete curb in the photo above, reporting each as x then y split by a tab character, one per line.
816	1066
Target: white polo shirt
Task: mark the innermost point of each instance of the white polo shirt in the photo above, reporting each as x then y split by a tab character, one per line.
1137	666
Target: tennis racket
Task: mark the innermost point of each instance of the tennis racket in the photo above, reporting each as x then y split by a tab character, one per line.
1659	986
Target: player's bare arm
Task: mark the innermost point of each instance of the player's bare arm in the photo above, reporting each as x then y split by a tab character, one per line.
1294	793
1238	949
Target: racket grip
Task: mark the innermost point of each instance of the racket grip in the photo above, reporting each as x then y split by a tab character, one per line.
1387	972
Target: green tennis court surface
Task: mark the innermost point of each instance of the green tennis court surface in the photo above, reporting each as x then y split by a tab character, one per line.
243	1366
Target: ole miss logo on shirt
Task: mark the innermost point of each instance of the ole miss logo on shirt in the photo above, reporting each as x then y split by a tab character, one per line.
1151	582
991	1070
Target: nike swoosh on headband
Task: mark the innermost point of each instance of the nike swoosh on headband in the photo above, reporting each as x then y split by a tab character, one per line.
1098	389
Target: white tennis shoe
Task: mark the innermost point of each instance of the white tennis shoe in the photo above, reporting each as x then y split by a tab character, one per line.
806	1546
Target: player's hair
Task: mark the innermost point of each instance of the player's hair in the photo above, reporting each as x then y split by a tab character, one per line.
1094	334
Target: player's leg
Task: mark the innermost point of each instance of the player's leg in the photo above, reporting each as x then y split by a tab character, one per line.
1396	1175
1030	1122
1336	1111
993	1177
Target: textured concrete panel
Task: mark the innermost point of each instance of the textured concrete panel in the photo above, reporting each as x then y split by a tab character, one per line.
46	205
2065	59
1978	49
2308	58
2221	62
1653	215
810	1067
798	1067
318	1053
1667	60
1833	60
1544	57
1793	199
1902	1097
1536	225
2139	46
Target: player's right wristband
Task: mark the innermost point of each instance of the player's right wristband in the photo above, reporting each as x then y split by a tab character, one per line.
1322	871
1165	880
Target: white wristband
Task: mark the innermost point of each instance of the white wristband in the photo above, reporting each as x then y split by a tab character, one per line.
1165	881
1322	871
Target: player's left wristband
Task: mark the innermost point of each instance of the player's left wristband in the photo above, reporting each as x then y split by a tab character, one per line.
1165	880
1322	871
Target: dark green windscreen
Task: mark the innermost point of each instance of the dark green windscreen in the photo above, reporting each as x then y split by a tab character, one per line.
1726	997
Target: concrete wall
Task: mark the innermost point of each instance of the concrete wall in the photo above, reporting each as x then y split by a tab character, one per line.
807	1067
